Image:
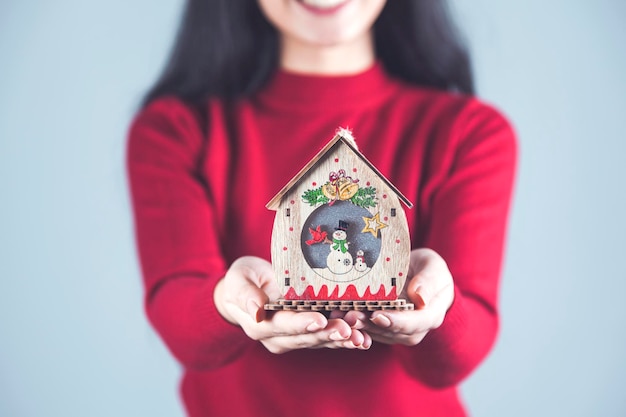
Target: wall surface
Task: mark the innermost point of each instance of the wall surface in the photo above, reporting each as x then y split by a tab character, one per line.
74	340
558	69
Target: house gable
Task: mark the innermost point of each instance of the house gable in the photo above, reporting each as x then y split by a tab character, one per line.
340	232
344	137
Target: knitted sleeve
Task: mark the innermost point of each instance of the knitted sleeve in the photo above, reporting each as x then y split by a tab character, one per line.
466	226
180	256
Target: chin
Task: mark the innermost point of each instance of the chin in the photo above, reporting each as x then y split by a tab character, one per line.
323	22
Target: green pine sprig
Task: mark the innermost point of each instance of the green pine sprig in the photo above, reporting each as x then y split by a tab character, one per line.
365	197
314	197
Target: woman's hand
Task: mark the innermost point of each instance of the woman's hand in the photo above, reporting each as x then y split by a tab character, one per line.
249	284
431	290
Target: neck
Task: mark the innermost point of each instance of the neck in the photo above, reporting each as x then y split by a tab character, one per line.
340	59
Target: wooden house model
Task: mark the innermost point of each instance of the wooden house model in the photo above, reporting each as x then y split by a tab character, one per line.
340	238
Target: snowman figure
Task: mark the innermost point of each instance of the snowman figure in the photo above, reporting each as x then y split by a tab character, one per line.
359	262
339	260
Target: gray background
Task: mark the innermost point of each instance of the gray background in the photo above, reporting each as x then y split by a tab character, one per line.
73	337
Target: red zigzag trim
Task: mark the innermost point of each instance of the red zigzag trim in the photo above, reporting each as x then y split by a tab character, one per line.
350	294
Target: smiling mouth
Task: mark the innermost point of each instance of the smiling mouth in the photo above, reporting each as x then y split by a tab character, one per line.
322	5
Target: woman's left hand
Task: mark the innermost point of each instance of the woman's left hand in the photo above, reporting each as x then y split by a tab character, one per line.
431	289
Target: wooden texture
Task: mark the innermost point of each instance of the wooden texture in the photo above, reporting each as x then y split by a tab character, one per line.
349	142
383	280
329	305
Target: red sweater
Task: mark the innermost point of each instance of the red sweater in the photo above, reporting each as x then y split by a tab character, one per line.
200	178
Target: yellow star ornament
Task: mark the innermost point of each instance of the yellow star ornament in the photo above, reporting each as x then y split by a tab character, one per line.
373	225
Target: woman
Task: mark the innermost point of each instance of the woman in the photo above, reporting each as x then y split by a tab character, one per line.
252	91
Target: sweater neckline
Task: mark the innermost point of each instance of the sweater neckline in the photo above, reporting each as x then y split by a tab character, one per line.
292	91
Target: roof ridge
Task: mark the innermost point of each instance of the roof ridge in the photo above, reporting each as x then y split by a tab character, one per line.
345	136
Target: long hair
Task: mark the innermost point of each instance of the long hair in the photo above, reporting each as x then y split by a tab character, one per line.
227	49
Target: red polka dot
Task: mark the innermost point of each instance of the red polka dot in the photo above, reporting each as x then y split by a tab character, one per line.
286	272
385	218
314	184
284	247
353	169
367	183
397	240
292	202
388	259
291	229
302	279
336	159
384	195
400	274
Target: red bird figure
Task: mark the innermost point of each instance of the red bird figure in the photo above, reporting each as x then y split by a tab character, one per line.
318	236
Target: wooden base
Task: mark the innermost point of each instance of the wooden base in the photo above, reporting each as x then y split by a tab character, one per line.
343	305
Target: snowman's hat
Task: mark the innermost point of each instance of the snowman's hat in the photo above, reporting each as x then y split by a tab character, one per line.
343	226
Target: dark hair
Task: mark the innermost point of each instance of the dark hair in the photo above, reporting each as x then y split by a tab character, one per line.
227	49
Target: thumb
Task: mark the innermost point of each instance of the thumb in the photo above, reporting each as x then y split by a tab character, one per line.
255	310
252	276
417	293
429	273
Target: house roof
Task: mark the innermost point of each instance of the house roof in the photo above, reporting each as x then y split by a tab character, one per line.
342	136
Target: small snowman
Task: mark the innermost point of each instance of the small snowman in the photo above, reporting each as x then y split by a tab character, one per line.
339	260
359	262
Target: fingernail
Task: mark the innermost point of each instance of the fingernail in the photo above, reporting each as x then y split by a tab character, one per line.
381	321
358	324
255	311
419	300
336	336
313	327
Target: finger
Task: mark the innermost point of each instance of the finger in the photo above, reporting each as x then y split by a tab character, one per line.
250	279
250	299
405	322
357	340
411	322
360	340
264	277
254	270
289	323
283	344
431	275
406	340
439	306
337	314
356	319
285	323
367	342
335	335
393	324
389	332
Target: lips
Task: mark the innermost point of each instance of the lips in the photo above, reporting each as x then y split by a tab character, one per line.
322	4
323	7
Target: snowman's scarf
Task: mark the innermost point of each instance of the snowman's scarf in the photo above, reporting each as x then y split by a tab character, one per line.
340	245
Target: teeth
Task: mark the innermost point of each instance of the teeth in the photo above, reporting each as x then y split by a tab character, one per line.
323	3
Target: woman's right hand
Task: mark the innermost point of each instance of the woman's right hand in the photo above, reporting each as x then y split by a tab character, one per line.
249	284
